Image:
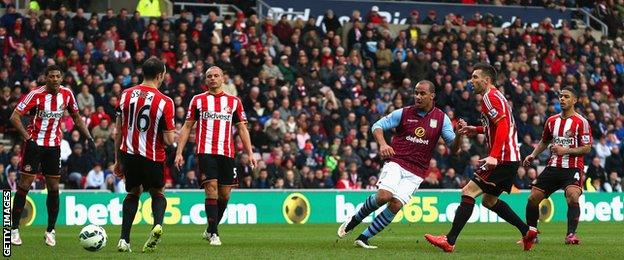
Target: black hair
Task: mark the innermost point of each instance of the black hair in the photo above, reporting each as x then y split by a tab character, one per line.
52	68
572	90
432	87
487	70
152	67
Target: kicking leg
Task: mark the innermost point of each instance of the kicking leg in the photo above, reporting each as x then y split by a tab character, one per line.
463	213
372	203
532	207
504	211
379	223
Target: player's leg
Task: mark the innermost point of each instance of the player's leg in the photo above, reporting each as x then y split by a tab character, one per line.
503	210
207	165
403	193
23	186
159	203
222	201
464	211
532	207
228	178
212	210
572	193
389	179
50	167
462	214
29	167
547	183
130	206
52	204
154	182
131	170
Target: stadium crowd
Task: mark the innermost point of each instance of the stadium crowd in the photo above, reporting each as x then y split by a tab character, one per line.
311	95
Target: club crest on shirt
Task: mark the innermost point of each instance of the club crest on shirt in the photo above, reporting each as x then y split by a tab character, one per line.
433	123
419	132
568	133
228	109
492	113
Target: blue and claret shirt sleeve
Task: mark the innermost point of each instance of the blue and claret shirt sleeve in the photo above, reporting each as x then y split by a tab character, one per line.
447	131
389	121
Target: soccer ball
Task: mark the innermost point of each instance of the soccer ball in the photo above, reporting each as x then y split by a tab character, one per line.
296	208
93	237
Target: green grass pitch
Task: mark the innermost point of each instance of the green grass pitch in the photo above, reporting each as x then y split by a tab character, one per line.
315	241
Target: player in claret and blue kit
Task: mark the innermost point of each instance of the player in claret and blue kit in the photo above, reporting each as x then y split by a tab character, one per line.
418	129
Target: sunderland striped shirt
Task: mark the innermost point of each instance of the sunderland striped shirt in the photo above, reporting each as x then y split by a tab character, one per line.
215	115
145	114
570	132
48	108
494	108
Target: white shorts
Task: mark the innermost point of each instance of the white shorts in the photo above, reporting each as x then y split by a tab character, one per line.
398	181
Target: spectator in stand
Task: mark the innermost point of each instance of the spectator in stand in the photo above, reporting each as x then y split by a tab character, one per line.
78	166
614	184
95	178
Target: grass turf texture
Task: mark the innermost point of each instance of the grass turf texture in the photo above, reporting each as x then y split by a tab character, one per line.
315	241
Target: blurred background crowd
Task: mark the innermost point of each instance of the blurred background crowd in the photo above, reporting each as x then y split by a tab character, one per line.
311	92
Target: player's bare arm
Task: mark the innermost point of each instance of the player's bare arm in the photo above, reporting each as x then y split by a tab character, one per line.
184	135
576	151
385	150
456	143
81	126
169	137
541	146
16	120
244	135
117	167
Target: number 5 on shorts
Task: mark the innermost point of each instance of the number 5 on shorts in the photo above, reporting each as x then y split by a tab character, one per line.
234	171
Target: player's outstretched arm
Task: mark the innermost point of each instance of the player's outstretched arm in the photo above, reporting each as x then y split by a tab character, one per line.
184	135
16	120
244	135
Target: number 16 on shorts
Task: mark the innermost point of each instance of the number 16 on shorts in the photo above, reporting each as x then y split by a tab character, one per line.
6	223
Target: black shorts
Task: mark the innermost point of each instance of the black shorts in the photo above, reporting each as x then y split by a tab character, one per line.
41	159
500	179
216	167
140	171
553	179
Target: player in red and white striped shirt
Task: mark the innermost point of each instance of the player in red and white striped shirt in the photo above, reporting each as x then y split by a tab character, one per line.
215	113
42	145
570	138
145	123
498	169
